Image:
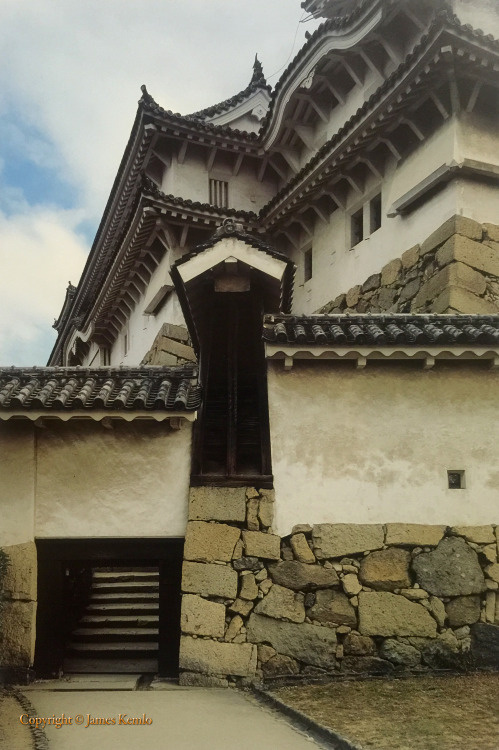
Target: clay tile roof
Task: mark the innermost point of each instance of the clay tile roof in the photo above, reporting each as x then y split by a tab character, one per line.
65	389
382	330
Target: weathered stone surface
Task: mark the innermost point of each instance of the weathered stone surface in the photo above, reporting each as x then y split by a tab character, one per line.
490	553
415	595
365	665
414	534
492	231
340	539
410	257
457	299
20	578
280	666
265	586
241	607
359	645
209	580
452	569
463	610
282	603
371	283
207	542
456	225
476	534
391	272
351	585
311	644
247	563
252	521
490	606
475	254
400	653
384	613
212	657
485	645
437	609
410	290
386	569
202	617
194	679
265	653
17	633
333	607
386	297
258	544
266	511
454	275
353	296
301	577
439	654
234	628
249	588
493	571
217	504
301	528
301	550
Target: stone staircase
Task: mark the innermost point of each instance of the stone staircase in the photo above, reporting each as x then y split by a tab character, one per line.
118	631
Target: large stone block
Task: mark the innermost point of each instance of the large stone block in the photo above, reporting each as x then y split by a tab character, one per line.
217	504
212	657
455	225
386	569
194	679
454	275
301	550
414	534
340	539
301	577
209	580
266	510
258	544
353	296
311	644
452	569
474	254
282	603
485	645
359	645
410	257
476	534
333	607
208	542
460	300
391	272
21	576
17	633
201	617
463	610
387	614
492	231
400	653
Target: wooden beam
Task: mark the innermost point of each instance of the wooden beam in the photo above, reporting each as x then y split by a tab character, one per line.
237	164
474	96
289	157
211	158
182	152
183	236
439	105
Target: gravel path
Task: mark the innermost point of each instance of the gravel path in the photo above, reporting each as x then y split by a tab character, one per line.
427	713
13	735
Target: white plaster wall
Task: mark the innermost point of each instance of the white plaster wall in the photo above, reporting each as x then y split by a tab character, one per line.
375	446
17	483
129	481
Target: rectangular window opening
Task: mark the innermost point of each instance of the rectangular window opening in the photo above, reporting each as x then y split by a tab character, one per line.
307	265
105	356
456	479
219	193
375	213
357	227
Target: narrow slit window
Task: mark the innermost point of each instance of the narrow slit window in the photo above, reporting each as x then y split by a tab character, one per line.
375	213
307	265
357	227
219	193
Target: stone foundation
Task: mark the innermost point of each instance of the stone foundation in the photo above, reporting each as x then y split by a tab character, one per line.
455	270
18	613
331	598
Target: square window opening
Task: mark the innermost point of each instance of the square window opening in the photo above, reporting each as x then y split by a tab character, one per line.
307	265
456	479
357	227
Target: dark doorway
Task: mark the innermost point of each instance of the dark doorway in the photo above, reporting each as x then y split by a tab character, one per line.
232	435
108	605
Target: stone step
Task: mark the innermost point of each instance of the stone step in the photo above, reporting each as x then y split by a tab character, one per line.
124	569
113	650
127	608
119	576
120	621
110	598
100	665
131	587
105	635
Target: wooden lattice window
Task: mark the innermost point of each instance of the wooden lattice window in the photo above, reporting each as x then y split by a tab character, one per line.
219	193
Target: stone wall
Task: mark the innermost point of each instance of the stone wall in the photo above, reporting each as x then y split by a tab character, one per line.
330	598
171	346
456	269
18	613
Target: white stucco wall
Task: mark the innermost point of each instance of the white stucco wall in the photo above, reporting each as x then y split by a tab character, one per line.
17	483
374	446
130	481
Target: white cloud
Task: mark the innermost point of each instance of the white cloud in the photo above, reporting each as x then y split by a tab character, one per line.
40	251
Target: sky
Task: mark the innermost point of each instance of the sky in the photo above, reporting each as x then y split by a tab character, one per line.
70	77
